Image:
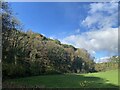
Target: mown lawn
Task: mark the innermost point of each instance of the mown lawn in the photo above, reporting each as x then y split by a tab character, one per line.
106	79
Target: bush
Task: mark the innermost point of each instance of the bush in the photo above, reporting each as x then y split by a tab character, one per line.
12	70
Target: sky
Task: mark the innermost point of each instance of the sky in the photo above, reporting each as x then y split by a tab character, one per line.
92	26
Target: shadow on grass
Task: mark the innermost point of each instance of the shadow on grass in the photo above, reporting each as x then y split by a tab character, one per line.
90	82
59	81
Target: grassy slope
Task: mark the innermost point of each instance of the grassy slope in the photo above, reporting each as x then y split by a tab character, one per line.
110	76
101	79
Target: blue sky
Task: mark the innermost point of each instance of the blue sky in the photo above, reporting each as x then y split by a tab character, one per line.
92	26
51	19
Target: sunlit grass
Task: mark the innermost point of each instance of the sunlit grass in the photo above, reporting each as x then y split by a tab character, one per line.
94	80
111	76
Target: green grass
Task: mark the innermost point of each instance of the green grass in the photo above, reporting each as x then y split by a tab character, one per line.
106	79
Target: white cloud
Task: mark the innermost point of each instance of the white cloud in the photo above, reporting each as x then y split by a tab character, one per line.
101	15
95	41
107	7
77	31
52	37
102	25
103	59
43	34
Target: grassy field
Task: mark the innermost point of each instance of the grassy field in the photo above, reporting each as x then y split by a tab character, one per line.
106	79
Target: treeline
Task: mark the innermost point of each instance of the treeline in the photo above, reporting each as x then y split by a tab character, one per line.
29	53
111	64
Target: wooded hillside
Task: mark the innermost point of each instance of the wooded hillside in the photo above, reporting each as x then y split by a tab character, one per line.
29	53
